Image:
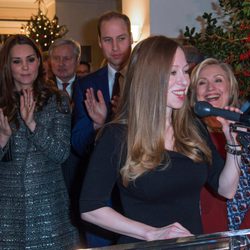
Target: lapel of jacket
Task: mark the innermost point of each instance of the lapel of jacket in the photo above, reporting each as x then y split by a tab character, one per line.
103	83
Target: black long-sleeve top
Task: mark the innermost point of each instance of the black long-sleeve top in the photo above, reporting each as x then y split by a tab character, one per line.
157	198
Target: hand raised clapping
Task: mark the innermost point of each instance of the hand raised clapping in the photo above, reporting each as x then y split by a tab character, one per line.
5	130
27	107
96	108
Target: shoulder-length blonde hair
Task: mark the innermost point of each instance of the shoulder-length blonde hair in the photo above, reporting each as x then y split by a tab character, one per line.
233	88
143	108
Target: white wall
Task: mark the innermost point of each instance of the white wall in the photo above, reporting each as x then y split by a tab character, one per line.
165	17
139	14
80	17
169	16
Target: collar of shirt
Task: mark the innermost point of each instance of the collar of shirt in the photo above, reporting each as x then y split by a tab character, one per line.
69	87
111	77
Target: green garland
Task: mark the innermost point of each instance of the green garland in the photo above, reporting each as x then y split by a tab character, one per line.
225	35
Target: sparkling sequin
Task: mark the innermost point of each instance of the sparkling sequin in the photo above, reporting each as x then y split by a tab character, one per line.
34	208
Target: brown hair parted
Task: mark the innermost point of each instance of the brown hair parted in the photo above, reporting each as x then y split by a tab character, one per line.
234	89
143	109
113	15
9	97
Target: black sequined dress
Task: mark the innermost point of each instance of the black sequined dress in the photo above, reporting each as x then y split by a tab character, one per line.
34	208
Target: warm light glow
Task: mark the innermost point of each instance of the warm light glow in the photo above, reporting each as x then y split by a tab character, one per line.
136	32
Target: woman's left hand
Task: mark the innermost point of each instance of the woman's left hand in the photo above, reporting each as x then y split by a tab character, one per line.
27	107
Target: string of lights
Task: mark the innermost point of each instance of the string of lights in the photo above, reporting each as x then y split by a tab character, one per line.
43	30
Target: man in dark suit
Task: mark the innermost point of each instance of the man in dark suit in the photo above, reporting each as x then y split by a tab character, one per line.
94	97
64	56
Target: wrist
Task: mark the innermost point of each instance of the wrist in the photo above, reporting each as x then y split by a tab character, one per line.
149	235
97	125
4	140
234	149
31	125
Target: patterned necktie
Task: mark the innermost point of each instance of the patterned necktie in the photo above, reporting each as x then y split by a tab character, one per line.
65	85
116	86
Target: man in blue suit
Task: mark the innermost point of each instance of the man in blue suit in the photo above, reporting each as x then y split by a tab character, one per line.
93	95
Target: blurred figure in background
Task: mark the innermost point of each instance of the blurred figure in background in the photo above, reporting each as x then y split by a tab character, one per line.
82	69
47	67
193	55
64	55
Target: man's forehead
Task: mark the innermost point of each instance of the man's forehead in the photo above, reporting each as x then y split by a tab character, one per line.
114	25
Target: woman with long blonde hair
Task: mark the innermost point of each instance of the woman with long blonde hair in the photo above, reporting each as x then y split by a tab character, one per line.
156	151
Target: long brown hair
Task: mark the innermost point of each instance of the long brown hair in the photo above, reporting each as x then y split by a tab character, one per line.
9	97
143	109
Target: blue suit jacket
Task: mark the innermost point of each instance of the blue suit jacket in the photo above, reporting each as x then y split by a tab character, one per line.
83	133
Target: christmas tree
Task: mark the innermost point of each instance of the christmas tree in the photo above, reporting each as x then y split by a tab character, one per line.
43	30
225	35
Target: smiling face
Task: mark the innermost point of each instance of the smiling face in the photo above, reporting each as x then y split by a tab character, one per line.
115	42
24	66
178	81
213	86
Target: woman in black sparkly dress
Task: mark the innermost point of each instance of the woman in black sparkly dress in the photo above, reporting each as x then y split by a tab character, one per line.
34	141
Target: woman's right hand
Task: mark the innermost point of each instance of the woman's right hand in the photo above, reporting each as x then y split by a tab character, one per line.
174	230
109	219
5	130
